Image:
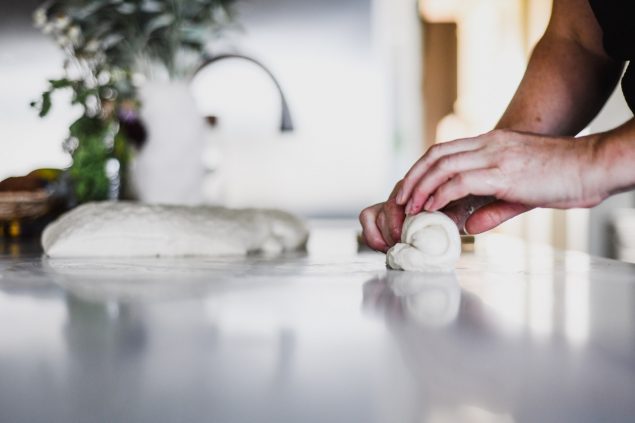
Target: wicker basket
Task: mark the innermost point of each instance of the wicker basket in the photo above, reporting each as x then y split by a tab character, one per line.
16	205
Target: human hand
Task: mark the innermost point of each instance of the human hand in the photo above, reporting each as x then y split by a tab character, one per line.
476	214
382	223
519	170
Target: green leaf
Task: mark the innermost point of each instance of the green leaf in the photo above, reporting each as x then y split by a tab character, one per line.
88	172
86	127
121	149
60	83
45	106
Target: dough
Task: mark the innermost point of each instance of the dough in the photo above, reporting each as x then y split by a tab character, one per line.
430	242
126	229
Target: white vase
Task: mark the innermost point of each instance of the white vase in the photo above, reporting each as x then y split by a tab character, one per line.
169	168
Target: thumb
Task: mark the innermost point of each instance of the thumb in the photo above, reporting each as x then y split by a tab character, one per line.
492	215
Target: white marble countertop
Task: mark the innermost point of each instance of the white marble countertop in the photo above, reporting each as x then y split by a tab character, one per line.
518	334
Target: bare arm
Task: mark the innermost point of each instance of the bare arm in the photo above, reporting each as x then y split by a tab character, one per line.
569	76
568	79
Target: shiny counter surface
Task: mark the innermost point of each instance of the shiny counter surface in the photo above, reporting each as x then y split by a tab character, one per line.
518	334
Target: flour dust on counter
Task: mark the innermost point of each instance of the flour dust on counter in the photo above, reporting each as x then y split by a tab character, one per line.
126	229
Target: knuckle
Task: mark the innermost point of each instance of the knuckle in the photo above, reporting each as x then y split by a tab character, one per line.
414	170
368	238
446	164
458	184
463	178
408	175
497	135
392	220
376	243
417	192
366	215
443	190
392	208
433	152
501	132
362	216
381	219
506	135
395	232
480	140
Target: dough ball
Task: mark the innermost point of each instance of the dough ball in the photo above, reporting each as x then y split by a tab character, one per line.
430	242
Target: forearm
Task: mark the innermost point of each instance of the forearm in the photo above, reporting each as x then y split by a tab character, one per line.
564	87
569	76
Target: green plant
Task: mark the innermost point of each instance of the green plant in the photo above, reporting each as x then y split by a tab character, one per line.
111	47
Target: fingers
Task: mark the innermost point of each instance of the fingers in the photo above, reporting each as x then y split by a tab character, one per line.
492	215
382	224
476	182
395	216
396	190
443	170
371	232
459	211
433	154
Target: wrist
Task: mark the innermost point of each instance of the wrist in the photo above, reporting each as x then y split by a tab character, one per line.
613	160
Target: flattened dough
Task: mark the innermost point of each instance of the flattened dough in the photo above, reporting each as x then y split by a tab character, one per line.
126	229
430	242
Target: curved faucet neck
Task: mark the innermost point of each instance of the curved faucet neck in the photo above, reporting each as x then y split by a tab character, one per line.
286	124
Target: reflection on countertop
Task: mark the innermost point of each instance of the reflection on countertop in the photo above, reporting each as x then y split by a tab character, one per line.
428	300
518	333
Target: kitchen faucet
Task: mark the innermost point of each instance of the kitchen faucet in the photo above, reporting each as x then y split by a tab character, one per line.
286	124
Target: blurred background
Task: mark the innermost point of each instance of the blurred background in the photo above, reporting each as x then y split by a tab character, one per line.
369	85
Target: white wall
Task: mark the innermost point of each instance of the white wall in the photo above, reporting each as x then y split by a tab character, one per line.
334	61
27	60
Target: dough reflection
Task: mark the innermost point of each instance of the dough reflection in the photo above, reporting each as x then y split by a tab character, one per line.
151	279
430	300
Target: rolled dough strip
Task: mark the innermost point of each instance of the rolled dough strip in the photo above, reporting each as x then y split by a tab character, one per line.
126	229
430	242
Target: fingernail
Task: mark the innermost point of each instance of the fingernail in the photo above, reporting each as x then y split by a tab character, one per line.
400	198
409	207
428	204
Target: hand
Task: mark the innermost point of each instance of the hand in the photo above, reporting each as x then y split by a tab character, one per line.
382	223
520	170
474	214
